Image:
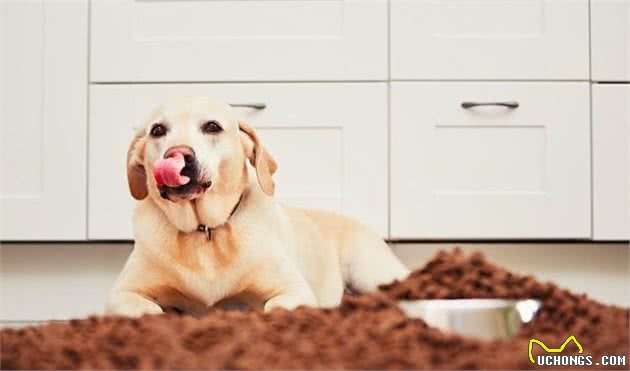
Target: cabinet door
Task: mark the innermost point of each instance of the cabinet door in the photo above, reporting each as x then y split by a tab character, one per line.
490	171
481	39
330	141
263	40
610	40
611	163
43	112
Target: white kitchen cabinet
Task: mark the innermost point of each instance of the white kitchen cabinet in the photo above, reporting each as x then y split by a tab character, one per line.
271	40
330	141
611	162
610	40
43	112
482	39
490	172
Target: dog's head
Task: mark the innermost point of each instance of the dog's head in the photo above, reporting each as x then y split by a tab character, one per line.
209	144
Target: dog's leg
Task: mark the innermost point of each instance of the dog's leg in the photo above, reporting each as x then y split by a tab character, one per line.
291	287
289	301
371	263
128	296
297	293
131	304
331	289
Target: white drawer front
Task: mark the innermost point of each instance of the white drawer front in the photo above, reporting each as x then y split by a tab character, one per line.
330	141
490	172
482	39
611	164
610	40
263	40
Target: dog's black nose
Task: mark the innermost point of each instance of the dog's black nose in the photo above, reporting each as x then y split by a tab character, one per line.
189	159
186	151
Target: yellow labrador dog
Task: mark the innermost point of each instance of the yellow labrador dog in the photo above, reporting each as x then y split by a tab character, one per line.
215	233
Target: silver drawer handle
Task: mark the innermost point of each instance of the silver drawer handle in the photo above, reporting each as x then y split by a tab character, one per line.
510	104
258	106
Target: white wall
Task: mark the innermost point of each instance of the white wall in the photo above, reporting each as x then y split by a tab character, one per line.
60	281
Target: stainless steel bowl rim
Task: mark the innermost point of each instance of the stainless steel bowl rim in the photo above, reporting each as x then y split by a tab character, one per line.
481	318
474	304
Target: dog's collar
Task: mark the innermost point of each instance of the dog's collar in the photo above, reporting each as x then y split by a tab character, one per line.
208	230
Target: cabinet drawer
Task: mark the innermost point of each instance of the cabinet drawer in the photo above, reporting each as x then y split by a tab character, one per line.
264	40
480	39
611	164
490	171
330	141
610	40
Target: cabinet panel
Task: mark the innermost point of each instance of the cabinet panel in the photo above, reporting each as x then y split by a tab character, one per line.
611	162
481	39
610	40
43	112
330	141
265	40
490	171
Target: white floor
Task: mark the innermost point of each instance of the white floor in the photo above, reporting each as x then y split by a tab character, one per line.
40	282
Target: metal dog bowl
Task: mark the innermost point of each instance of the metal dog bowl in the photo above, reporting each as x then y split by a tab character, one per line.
481	318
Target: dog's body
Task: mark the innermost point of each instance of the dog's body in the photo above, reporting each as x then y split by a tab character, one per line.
258	251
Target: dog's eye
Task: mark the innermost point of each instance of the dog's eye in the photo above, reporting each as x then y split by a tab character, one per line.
211	127
158	130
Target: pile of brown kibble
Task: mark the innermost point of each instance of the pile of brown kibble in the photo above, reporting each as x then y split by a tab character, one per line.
365	332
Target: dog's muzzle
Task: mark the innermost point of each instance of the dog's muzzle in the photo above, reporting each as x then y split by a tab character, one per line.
179	174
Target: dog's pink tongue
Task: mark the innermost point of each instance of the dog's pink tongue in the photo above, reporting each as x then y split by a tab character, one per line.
167	171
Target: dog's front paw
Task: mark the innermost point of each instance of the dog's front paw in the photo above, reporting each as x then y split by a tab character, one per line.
289	302
129	304
136	310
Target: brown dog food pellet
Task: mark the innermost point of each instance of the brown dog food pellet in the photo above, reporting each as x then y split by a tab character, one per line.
365	332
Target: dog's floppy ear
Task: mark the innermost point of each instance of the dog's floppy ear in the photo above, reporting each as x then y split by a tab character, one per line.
260	158
136	174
